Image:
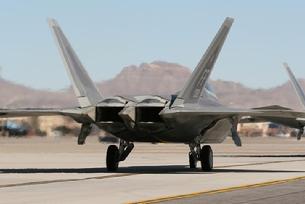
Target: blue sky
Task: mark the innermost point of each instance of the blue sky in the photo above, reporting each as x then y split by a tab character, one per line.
108	35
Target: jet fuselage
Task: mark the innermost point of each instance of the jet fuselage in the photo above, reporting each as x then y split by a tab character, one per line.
141	119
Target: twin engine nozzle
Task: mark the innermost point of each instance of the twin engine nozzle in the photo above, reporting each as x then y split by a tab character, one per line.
130	111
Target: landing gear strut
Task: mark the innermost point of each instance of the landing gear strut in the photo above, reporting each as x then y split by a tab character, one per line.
204	155
116	154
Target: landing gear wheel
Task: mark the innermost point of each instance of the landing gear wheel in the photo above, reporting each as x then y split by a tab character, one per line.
206	158
112	158
192	161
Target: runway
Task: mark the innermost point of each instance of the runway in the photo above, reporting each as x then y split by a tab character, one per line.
280	192
56	170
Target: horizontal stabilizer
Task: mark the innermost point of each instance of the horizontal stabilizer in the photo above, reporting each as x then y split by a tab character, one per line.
83	86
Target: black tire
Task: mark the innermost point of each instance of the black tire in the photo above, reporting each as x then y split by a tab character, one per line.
112	158
192	161
206	158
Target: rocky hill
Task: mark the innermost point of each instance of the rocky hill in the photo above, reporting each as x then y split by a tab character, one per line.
160	78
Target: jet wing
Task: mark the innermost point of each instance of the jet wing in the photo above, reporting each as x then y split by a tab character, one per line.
78	114
298	122
279	115
290	118
223	110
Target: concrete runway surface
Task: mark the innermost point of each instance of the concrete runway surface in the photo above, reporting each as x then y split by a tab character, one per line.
57	170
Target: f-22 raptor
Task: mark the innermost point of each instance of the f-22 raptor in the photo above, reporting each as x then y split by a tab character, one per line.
193	116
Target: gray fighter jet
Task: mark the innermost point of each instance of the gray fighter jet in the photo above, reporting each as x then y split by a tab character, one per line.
193	116
301	95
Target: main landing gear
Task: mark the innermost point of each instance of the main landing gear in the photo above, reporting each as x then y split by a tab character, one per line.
204	155
116	154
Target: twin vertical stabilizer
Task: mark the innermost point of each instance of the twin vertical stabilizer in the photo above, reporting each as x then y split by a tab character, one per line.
88	94
84	88
192	90
296	85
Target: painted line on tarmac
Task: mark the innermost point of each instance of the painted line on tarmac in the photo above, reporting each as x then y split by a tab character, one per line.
223	190
64	180
130	174
260	163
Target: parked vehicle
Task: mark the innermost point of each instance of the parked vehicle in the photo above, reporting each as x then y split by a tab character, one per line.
11	128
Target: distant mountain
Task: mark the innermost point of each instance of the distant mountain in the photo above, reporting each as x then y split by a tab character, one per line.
16	95
159	78
237	95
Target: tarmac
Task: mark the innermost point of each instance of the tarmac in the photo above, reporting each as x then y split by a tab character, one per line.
57	170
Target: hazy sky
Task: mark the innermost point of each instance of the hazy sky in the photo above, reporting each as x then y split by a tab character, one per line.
110	35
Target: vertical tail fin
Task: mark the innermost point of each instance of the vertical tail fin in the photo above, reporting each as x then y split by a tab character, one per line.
193	87
296	85
83	86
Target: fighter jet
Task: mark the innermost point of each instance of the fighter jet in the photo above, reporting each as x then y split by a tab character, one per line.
193	116
301	95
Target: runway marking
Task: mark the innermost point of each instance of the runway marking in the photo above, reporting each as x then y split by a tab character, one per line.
130	174
259	163
211	192
64	180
